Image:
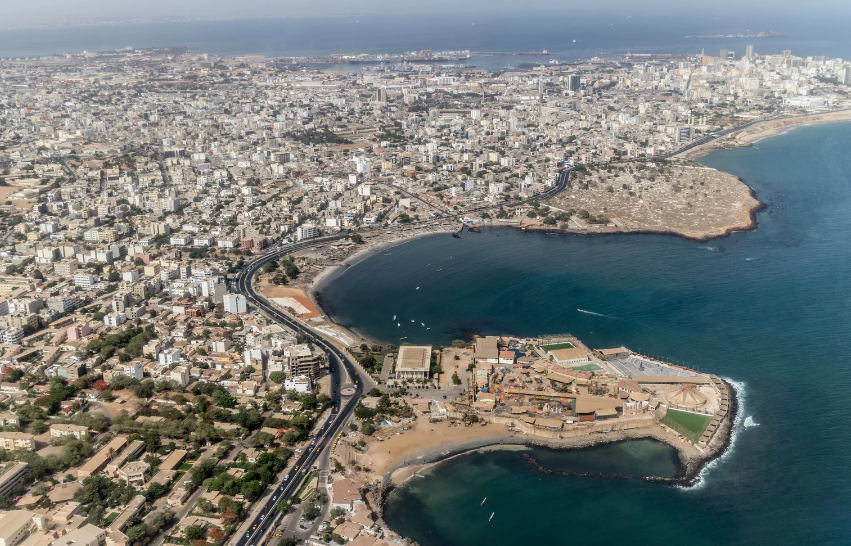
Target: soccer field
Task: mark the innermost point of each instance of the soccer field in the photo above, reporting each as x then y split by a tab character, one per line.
557	346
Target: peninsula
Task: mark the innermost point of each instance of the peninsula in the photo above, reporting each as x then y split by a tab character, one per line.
167	373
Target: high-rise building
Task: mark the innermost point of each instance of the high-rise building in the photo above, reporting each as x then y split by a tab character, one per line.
235	303
573	83
723	54
749	51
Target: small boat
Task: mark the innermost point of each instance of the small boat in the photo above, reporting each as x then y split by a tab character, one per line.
490	518
428	328
418	288
412	320
483	502
394	317
398	324
401	338
439	270
423	324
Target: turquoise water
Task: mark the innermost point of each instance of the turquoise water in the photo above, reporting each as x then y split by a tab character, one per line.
769	309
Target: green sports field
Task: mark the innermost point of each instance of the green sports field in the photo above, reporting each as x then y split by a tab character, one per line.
690	425
557	346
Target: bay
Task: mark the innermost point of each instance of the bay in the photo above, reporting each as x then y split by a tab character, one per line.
769	309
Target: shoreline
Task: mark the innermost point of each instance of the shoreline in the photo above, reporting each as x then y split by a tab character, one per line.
689	472
762	130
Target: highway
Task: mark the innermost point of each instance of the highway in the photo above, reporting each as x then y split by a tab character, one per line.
342	407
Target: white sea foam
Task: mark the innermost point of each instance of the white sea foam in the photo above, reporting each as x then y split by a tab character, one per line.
738	427
710	248
595	314
749	422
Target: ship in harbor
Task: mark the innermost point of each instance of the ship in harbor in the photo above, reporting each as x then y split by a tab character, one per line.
544	52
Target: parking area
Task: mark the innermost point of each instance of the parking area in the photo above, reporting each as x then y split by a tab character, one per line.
639	366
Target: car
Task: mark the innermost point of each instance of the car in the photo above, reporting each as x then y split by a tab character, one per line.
247	534
275	497
297	450
262	516
255	526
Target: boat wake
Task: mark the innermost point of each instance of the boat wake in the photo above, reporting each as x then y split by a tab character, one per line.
710	248
595	314
738	427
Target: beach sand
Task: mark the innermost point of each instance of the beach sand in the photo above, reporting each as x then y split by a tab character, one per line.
762	130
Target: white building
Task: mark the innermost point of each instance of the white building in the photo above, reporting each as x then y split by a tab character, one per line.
180	375
299	383
132	369
306	231
170	356
85	281
235	303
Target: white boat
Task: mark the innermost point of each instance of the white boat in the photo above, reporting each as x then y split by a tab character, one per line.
483	502
423	324
490	518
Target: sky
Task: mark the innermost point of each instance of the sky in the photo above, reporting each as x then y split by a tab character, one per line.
48	11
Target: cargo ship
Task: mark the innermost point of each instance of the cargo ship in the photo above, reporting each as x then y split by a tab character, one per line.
544	52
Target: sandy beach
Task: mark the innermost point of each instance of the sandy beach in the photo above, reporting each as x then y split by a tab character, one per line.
759	131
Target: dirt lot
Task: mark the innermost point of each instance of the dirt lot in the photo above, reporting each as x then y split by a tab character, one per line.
305	307
687	199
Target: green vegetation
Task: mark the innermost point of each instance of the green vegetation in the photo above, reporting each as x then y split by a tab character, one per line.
557	346
690	425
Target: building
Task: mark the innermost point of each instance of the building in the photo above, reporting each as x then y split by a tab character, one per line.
413	362
306	231
87	535
17	440
8	419
301	360
99	459
135	449
135	473
235	303
180	375
78	331
17	525
486	349
85	281
170	356
132	369
72	371
571	355
613	354
11	476
300	383
344	494
77	431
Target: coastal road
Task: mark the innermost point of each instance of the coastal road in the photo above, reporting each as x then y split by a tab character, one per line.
342	407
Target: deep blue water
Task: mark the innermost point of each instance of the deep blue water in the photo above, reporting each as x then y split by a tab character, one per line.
813	33
770	309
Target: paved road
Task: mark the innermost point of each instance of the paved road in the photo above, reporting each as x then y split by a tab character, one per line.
261	521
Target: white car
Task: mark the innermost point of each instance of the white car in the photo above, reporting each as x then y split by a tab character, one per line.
297	450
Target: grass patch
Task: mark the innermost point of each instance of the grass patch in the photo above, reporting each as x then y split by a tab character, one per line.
185	466
586	368
110	518
557	346
690	425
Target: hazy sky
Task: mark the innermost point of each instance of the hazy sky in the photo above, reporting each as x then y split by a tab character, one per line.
42	11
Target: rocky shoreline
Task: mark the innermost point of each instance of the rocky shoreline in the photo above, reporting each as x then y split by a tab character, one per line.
692	464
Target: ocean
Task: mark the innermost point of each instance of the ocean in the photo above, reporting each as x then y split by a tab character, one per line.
487	35
768	309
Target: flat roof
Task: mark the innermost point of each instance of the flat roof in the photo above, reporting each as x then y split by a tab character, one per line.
573	353
414	358
486	347
614	351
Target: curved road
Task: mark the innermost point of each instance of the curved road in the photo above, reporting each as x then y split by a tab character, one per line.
341	409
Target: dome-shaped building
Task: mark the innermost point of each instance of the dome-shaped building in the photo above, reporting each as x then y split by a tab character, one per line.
685	396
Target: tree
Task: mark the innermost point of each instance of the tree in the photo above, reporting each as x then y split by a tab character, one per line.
155	491
284	506
310	512
194	532
38	275
138	533
367	428
455	379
